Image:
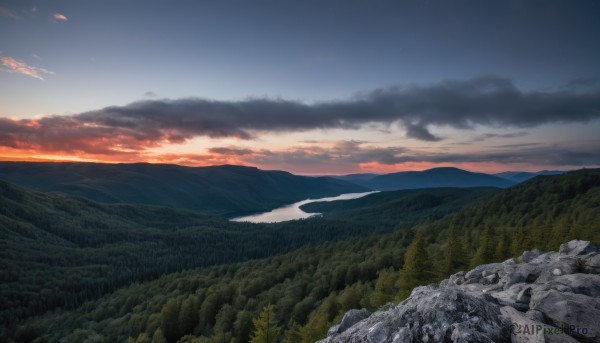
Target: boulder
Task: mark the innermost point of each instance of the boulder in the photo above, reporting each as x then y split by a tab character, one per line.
587	284
577	313
524	329
591	263
489	280
576	247
527	256
350	318
551	297
431	314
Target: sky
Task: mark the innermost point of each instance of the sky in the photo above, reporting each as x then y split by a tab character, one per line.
311	87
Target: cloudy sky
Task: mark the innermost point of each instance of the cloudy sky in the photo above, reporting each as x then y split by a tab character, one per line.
312	87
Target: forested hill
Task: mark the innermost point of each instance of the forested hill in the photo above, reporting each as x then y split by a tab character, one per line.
542	212
225	190
312	287
434	178
57	251
401	208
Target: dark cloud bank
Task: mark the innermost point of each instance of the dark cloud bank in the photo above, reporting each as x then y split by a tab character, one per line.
489	101
353	152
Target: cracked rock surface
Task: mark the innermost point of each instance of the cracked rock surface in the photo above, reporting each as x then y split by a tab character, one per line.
550	297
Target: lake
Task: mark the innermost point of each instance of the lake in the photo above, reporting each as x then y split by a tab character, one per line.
293	211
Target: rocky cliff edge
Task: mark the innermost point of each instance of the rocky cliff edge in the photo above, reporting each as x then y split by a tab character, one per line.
543	297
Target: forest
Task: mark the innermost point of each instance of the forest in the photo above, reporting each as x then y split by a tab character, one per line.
293	280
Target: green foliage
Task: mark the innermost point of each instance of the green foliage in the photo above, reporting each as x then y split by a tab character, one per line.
417	269
309	288
454	254
226	190
266	329
485	251
385	288
400	208
58	252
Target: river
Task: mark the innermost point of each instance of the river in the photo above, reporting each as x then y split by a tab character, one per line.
293	211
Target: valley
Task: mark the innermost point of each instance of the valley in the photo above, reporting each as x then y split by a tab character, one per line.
72	260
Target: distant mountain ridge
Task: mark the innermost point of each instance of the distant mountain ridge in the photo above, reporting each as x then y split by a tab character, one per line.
520	176
355	178
435	178
225	190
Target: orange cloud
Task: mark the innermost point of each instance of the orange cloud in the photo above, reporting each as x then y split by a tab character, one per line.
59	16
17	66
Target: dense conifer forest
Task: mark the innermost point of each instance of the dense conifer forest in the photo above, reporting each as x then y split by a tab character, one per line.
138	283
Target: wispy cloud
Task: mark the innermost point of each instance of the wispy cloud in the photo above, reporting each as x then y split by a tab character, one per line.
486	136
17	66
59	16
349	155
487	101
139	127
7	12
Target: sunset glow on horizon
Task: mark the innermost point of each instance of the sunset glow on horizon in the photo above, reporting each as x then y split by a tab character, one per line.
365	88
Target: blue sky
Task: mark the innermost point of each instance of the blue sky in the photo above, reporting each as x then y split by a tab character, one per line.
96	54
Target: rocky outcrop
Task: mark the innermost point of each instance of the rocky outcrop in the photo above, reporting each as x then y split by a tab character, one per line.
549	297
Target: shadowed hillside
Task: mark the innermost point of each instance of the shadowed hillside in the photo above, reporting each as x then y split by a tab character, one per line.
312	287
434	178
224	190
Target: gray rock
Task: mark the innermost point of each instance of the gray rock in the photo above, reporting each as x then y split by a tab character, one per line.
350	318
587	284
527	256
403	335
560	265
576	247
431	314
591	263
544	258
555	297
457	279
510	261
535	315
377	333
526	330
578	312
489	280
333	330
510	296
524	296
479	272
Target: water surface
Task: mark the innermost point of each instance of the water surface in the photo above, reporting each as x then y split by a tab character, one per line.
293	211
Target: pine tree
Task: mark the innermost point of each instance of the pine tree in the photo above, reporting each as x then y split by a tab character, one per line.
417	269
188	315
485	251
265	326
516	243
170	320
454	255
384	288
293	334
501	250
158	337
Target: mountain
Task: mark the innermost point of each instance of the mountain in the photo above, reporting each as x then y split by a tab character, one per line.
402	208
355	178
225	190
311	288
434	178
517	176
57	251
